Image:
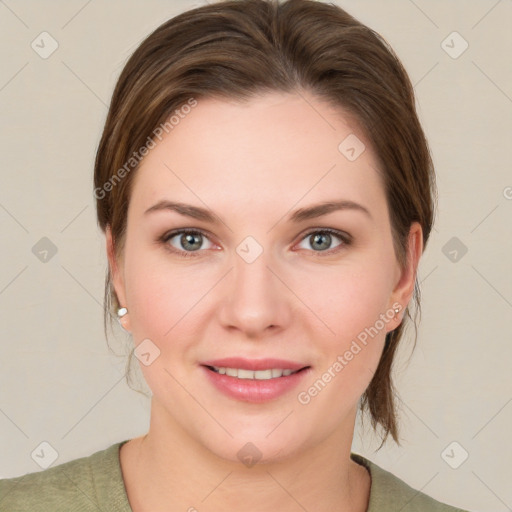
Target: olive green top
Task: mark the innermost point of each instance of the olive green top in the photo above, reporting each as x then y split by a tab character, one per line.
95	483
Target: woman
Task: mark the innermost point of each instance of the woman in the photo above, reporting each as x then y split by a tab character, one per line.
266	192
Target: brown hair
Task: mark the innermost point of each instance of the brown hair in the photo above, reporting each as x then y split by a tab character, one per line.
237	49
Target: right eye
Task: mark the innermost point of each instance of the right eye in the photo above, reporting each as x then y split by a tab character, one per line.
186	243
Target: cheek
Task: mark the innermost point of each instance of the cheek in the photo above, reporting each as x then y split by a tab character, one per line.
350	299
164	301
352	304
151	299
164	296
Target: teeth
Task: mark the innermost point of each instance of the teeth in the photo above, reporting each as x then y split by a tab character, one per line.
244	374
254	375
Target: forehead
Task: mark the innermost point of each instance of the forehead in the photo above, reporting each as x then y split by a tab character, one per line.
274	149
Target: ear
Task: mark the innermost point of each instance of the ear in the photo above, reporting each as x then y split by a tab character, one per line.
117	277
404	288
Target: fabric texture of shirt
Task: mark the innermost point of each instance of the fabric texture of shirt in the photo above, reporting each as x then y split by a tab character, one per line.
95	483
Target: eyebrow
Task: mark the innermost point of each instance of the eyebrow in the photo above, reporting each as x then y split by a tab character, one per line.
300	215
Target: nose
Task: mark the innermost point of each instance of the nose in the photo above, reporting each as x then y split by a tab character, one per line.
255	299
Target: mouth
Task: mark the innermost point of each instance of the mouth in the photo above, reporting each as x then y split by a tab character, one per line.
254	380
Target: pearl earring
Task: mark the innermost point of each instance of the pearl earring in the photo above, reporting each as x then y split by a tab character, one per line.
121	312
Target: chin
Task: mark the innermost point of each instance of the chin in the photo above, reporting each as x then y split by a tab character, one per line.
251	449
263	439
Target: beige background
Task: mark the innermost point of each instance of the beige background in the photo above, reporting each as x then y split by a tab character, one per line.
60	384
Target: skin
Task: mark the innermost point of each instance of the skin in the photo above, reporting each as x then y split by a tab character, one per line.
253	164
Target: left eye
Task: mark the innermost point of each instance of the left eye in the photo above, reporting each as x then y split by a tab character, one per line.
322	239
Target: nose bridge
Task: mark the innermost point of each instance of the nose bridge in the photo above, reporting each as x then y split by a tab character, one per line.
255	299
253	278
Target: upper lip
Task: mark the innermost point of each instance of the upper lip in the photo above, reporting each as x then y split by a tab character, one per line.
254	364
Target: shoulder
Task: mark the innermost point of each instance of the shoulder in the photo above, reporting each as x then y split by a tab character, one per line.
390	493
79	485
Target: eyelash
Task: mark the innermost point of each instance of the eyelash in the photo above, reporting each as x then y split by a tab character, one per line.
345	238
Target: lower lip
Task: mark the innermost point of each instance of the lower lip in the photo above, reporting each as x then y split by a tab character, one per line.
254	390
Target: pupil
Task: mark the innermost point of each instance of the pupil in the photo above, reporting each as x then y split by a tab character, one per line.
318	238
189	238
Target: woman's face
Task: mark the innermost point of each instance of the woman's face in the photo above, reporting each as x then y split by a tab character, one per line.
262	279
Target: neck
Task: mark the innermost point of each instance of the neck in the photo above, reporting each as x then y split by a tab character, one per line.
168	470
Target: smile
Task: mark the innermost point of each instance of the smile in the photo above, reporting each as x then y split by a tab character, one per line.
260	380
